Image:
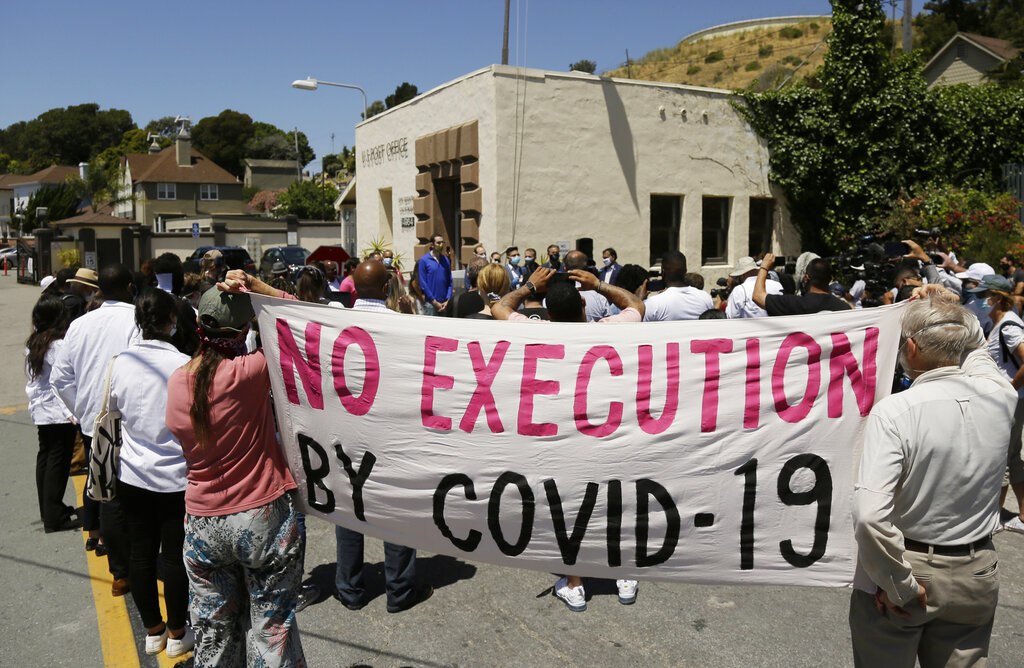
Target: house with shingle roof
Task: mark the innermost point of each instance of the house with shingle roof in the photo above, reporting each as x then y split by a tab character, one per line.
23	187
176	182
967	58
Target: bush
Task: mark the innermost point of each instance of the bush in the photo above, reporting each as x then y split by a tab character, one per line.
714	57
814	27
752	65
791	60
69	258
765	51
789	32
977	225
694	69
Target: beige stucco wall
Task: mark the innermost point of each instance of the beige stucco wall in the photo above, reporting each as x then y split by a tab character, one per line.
569	155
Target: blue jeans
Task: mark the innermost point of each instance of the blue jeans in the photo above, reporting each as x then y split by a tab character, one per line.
399	569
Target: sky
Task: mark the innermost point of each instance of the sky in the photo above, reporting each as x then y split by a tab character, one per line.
197	58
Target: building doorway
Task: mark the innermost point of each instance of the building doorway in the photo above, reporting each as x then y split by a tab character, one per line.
108	251
449	207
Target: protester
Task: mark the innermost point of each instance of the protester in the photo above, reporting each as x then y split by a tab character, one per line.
493	283
78	377
1013	273
243	548
932	463
496	257
151	479
471	301
435	276
479	253
512	266
54	422
529	263
741	300
79	292
814	298
597	306
1006	347
565	304
678	301
311	285
610	266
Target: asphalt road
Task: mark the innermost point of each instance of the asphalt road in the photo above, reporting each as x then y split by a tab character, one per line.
480	615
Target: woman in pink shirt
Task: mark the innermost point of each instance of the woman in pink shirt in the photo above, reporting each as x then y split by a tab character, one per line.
243	548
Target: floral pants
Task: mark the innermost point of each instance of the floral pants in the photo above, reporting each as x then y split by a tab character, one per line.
245	571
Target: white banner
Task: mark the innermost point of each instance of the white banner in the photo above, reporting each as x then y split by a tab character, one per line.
700	451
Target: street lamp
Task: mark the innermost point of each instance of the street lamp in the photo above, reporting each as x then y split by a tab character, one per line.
309	83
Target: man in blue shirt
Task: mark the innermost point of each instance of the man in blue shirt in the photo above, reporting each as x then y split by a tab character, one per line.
435	276
554	258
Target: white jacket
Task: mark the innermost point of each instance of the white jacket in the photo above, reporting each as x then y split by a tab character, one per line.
45	407
80	367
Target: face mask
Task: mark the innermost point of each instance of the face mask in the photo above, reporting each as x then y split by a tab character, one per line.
984	306
554	258
529	259
514	260
607	261
387	261
483	255
174	330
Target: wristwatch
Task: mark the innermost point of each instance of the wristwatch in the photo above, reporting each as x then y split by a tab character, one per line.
531	287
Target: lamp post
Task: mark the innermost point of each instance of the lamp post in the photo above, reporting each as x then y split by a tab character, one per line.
309	83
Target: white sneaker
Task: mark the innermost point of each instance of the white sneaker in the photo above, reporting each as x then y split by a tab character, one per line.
155	644
183	645
574	597
627	591
1014	524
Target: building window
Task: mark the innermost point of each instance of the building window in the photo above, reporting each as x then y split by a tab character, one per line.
166	191
208	191
715	228
760	233
666	215
961	51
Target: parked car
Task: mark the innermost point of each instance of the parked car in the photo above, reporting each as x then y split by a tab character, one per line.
235	257
9	258
292	256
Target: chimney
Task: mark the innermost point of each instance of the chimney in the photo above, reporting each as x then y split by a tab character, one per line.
82	167
183	148
154	147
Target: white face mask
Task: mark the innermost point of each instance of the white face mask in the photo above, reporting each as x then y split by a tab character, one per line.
483	255
607	261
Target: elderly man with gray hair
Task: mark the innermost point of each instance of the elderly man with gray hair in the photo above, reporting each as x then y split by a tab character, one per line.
925	497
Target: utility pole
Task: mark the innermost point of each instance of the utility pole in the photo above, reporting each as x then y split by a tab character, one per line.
298	160
504	41
332	143
629	70
908	16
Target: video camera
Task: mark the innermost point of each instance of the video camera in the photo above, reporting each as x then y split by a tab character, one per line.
722	292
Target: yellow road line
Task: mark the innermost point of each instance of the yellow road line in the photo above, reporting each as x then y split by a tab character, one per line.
11	410
116	637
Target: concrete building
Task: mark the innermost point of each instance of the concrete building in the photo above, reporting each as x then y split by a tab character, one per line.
270	174
175	182
967	58
505	156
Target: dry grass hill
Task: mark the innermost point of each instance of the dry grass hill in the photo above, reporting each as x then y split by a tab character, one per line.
761	57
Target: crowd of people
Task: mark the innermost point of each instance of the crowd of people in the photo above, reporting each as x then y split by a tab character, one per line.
203	488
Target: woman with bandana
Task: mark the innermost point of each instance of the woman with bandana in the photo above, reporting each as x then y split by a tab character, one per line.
243	546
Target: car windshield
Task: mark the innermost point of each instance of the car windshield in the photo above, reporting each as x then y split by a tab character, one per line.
294	254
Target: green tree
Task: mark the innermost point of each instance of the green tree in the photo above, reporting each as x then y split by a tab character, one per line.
223	139
588	66
404	92
166	126
272	143
62	200
308	200
344	161
376	107
65	136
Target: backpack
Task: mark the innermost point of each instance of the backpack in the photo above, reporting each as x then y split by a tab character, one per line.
1006	352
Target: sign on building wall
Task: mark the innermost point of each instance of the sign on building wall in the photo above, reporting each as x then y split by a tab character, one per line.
396	149
405	212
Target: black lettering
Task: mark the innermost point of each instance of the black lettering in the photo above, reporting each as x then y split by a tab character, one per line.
315	476
357	479
749	473
494	513
470	542
614	524
568	545
820	493
646	488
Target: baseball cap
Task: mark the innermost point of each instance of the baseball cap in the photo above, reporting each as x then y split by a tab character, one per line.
224	313
976	272
992	282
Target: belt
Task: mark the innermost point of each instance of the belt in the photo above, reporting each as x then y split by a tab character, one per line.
947	550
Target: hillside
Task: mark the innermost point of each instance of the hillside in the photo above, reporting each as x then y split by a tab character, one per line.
736	59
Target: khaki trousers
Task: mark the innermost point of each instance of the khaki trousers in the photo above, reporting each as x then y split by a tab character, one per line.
955	628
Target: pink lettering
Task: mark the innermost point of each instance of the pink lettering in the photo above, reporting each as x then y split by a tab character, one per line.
583	423
308	367
362	404
532	386
711	348
843	363
782	407
482	396
648	423
752	403
433	381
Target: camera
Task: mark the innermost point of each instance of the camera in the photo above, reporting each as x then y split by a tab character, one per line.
722	292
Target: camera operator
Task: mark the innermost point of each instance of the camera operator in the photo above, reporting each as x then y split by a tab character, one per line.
741	299
931	273
814	287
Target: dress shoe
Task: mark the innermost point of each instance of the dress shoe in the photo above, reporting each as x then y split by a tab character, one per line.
418	595
358	605
101	549
91	543
67	524
120	587
307	596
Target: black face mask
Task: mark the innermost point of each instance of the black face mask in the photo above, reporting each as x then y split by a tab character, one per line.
554	258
